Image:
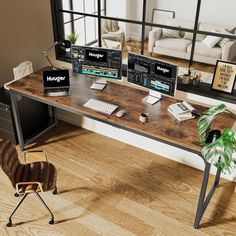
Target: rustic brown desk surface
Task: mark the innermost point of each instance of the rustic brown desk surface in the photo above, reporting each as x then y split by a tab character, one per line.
162	125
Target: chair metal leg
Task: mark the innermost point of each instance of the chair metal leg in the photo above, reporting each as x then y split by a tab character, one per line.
52	216
55	190
9	224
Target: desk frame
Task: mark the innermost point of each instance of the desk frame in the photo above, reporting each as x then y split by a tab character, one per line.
203	200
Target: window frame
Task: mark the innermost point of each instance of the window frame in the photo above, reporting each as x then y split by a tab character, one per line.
58	30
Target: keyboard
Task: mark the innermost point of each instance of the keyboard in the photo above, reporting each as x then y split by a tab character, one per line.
100	106
57	90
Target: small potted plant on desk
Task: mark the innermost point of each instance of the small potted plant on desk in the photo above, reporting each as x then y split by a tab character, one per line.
217	148
72	38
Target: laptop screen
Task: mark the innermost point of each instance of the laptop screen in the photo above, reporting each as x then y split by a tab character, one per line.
56	78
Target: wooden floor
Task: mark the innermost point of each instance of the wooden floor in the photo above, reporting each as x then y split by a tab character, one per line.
110	188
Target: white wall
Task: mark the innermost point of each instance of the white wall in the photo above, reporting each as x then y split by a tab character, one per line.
184	9
219	12
26	31
117	9
212	11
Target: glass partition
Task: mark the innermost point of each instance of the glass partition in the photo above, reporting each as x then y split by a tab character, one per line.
85	27
218	16
124	9
176	41
178	13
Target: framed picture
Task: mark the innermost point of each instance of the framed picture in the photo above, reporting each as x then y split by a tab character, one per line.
224	77
160	16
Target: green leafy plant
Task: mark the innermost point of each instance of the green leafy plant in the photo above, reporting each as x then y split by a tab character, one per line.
73	37
217	148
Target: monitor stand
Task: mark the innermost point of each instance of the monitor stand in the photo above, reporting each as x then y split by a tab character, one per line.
99	84
152	98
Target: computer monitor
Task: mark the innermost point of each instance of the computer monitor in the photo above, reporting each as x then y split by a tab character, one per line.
160	77
93	61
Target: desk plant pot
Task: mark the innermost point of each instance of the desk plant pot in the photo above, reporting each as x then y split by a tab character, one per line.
217	146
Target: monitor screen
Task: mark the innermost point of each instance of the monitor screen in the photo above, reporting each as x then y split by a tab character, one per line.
101	62
153	74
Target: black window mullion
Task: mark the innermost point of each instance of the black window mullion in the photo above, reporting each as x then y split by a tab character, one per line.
143	26
85	37
99	24
195	33
72	16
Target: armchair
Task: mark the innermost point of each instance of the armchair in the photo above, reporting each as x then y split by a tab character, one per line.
110	30
28	177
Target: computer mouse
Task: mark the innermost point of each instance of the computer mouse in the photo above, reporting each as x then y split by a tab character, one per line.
120	113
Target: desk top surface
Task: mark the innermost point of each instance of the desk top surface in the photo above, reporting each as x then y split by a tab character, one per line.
162	126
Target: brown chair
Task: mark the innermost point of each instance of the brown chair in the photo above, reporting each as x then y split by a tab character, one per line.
27	178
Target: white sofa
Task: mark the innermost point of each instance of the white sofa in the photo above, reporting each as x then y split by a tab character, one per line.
181	48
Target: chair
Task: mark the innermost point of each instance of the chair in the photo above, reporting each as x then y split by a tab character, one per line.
110	30
27	178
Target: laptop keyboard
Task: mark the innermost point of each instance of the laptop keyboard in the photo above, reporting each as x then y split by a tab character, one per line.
57	90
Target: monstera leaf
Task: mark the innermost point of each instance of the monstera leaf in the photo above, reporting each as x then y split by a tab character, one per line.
220	152
205	121
217	148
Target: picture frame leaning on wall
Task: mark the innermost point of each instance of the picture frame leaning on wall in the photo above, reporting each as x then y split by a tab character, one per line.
160	16
224	77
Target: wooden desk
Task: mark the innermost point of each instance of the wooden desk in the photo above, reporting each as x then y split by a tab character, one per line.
162	125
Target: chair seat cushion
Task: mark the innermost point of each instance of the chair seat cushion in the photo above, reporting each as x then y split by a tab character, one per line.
177	44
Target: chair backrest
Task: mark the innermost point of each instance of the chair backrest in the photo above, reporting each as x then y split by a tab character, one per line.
43	172
9	159
109	26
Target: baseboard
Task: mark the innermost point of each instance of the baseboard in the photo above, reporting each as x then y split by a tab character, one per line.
139	141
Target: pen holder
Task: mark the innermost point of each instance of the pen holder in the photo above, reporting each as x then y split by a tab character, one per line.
185	78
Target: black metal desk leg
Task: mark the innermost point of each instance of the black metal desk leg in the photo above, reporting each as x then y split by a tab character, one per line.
17	120
203	200
54	114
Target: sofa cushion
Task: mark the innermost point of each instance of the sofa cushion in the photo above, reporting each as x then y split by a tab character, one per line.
189	36
168	33
223	41
176	44
210	27
211	41
180	23
203	50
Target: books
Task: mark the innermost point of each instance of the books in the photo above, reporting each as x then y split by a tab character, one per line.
181	111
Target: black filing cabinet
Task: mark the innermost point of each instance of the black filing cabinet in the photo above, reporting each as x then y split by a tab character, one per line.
7	128
34	117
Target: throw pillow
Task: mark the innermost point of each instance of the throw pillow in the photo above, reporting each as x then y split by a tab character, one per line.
168	33
189	36
223	41
211	41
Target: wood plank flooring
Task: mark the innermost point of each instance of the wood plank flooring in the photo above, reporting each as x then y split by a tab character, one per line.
110	188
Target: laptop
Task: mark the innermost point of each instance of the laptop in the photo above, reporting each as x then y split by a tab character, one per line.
56	82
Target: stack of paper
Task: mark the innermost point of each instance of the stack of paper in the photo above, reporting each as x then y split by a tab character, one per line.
181	111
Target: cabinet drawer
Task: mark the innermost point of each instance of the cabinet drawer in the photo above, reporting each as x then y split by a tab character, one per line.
7	135
6	125
4	107
5	114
